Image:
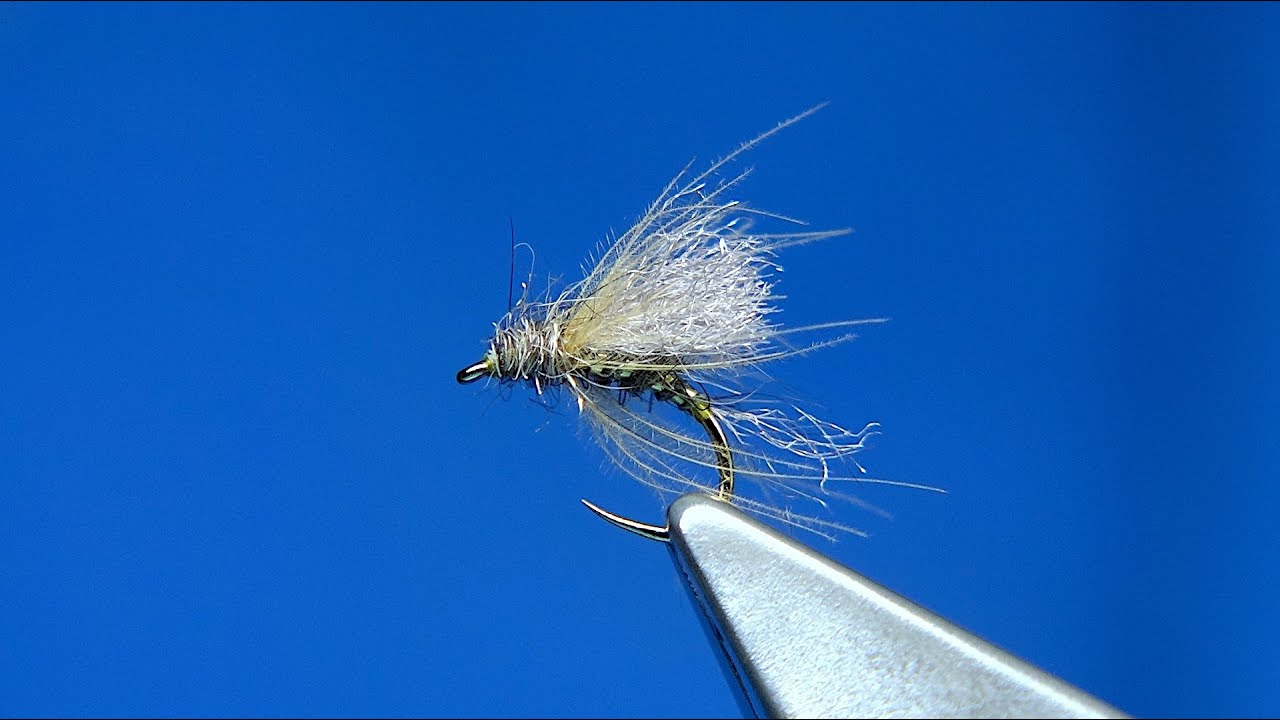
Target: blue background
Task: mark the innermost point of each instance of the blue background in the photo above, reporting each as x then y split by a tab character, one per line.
244	249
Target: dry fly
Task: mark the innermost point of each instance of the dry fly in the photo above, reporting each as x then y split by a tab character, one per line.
678	311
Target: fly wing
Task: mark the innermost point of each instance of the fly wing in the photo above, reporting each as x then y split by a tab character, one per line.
688	283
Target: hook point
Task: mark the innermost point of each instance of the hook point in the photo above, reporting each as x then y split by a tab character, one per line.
645	530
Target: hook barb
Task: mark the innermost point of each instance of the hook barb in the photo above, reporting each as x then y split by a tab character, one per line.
645	530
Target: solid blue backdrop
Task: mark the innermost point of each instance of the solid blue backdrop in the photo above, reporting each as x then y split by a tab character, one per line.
245	248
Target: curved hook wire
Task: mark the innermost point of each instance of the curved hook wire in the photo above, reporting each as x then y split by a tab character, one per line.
699	406
645	530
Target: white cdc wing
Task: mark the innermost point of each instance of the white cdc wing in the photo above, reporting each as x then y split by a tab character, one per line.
688	283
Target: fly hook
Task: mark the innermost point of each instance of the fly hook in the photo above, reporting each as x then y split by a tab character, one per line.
699	406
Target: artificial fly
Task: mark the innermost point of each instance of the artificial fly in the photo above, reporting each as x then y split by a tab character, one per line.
680	303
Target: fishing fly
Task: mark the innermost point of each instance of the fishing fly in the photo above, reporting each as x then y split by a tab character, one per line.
677	313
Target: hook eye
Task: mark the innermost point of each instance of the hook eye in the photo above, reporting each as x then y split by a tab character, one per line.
472	373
